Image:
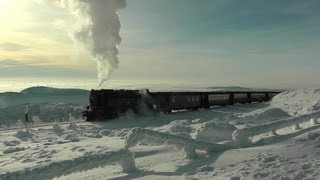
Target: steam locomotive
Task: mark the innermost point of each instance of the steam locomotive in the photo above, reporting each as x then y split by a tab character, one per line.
108	104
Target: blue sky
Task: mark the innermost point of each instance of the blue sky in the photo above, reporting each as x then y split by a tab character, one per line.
257	43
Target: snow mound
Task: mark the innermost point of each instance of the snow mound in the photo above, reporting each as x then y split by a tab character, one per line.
105	132
13	149
178	126
57	129
72	125
72	138
298	102
214	132
205	168
23	135
11	143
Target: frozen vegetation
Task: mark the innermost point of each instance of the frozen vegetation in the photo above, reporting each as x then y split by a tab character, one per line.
275	140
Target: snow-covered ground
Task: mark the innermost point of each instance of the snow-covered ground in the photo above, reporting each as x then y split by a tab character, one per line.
275	140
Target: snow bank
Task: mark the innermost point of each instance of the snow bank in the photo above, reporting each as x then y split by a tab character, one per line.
298	102
136	135
89	161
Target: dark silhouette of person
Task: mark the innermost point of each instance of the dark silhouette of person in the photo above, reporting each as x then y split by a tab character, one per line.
26	110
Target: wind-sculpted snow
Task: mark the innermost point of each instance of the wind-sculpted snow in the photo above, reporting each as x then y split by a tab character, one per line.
241	136
190	146
89	161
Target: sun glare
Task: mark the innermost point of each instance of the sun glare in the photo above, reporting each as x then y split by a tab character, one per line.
4	2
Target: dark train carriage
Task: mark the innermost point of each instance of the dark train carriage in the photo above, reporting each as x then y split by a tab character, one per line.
258	97
187	101
219	99
240	98
160	101
110	103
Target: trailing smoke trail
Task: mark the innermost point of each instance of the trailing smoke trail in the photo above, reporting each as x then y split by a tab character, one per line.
99	31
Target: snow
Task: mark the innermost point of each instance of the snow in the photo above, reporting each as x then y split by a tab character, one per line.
298	102
213	131
275	140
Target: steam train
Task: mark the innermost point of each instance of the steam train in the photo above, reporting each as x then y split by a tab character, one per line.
108	104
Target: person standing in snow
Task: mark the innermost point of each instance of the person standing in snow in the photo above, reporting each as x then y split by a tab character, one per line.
26	110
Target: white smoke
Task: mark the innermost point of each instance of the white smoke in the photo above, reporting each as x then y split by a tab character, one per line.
98	31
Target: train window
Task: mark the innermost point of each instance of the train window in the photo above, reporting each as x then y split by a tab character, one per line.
192	99
197	98
188	98
173	99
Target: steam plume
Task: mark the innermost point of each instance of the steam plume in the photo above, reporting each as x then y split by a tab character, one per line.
98	31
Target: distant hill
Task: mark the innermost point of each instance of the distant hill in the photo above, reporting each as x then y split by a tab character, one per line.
41	94
238	88
51	90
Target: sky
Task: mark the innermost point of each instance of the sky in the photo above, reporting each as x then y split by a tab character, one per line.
253	43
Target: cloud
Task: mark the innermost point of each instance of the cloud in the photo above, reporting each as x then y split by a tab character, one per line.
10	46
14	68
7	63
